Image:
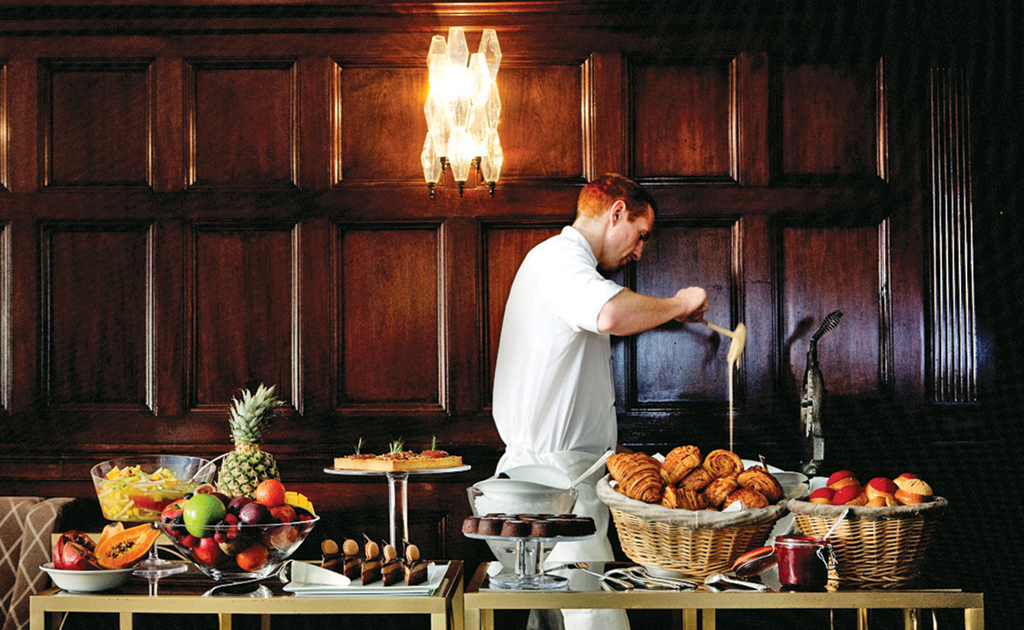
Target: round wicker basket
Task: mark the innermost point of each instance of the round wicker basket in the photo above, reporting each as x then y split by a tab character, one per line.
874	546
695	544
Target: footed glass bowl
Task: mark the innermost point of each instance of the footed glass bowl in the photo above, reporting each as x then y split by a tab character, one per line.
137	488
250	551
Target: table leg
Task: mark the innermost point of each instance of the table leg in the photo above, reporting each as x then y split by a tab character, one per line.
974	619
456	609
689	619
709	619
36	617
862	619
911	618
224	621
125	620
264	622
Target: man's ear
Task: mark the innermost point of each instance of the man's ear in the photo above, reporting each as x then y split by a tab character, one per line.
616	211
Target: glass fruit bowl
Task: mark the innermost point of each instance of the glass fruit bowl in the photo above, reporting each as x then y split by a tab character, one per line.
136	489
240	550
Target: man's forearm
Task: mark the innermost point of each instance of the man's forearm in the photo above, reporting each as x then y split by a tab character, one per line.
629	313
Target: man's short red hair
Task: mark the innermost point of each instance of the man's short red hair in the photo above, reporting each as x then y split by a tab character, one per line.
597	196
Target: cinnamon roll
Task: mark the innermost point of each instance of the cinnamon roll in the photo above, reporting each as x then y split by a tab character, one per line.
758	478
679	462
723	463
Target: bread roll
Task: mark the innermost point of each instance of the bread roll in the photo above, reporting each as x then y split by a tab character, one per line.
753	499
697	480
723	463
719	490
679	462
758	478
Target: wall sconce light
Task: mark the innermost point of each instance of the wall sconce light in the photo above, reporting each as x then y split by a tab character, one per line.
462	110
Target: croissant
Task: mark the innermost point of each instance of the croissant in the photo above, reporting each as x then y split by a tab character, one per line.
638	476
751	498
758	478
697	480
670	497
690	500
719	490
723	463
679	462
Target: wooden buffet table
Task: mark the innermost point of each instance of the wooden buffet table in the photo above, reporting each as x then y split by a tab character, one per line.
699	606
183	595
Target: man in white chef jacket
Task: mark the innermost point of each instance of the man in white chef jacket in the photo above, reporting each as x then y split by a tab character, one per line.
554	399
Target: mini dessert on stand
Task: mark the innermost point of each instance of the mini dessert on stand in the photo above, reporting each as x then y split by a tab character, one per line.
415	568
373	563
392	571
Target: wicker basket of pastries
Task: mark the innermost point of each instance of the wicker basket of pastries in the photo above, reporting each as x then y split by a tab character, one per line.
885	538
681	514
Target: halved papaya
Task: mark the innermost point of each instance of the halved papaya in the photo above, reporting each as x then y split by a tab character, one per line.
109	530
125	548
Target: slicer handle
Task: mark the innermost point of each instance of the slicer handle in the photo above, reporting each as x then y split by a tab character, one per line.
718	329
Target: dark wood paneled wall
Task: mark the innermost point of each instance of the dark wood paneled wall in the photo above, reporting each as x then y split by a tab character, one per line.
195	199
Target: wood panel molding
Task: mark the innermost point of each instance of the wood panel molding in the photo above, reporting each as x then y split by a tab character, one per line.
6	350
953	326
98	316
389	335
98	123
241	123
828	122
4	126
243	313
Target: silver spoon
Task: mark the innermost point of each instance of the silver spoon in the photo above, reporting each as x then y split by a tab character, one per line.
717	582
622	585
233	587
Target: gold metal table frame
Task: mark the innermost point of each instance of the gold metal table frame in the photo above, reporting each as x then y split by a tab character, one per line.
444	607
699	607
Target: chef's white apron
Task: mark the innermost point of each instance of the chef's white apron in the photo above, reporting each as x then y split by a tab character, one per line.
596	549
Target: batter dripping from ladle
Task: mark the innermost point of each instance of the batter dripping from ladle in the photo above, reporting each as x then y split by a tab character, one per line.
739	341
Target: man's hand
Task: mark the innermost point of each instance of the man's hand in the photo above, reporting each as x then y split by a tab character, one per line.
695	304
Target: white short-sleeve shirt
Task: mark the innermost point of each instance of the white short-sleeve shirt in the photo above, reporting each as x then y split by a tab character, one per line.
553	388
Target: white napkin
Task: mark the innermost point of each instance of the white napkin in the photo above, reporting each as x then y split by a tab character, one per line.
306	573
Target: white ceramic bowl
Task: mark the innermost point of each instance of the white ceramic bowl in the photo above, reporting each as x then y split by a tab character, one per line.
88	581
550	501
540	474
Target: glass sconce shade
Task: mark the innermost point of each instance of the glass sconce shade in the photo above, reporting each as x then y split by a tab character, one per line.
462	109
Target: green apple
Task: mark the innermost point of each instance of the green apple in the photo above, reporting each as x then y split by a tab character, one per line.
201	512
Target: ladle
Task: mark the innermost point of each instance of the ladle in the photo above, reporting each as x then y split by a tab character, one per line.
738	337
600	462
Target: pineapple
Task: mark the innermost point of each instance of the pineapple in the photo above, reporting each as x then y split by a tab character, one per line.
245	467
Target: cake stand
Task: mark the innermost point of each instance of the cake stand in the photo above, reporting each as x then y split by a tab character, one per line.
528	573
398	495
